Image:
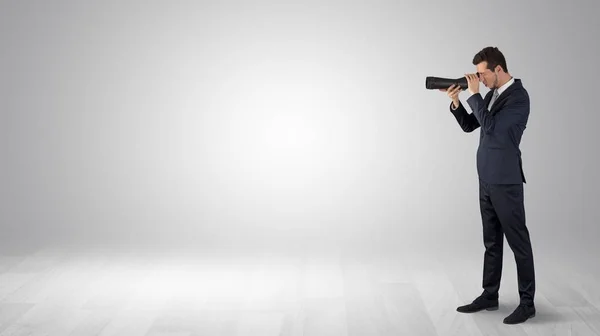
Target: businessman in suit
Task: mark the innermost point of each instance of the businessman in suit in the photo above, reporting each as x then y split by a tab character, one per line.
502	117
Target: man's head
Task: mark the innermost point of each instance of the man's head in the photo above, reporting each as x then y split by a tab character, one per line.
491	67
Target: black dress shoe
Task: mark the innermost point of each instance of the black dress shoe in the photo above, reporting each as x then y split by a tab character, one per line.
520	315
479	304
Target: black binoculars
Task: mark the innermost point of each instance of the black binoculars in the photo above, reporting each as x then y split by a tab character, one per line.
434	83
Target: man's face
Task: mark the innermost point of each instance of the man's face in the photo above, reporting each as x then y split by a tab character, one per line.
488	77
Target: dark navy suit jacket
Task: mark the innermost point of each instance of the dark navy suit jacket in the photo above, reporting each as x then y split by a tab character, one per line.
498	156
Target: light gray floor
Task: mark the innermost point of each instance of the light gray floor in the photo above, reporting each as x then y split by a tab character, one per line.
117	292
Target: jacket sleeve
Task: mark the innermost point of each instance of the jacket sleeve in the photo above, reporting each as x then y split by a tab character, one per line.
515	112
468	122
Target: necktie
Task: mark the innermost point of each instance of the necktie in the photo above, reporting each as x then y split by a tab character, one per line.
494	97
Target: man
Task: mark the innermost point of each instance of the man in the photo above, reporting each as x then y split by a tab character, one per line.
502	117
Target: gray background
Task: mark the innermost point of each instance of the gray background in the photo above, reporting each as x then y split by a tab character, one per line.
284	124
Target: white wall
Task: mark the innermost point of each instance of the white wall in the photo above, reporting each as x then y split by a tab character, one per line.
177	122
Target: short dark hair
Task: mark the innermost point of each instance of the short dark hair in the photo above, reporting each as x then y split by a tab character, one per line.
493	56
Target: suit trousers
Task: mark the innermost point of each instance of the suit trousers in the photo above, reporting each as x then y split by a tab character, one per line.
503	214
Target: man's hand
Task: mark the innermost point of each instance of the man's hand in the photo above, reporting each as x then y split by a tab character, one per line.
453	92
473	82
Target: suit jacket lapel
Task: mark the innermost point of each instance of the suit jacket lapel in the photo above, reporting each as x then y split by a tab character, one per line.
498	103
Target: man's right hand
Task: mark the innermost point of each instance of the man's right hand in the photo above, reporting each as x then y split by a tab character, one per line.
453	92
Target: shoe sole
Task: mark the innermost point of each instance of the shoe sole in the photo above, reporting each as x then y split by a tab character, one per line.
475	311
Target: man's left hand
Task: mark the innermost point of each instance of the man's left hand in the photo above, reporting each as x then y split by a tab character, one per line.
473	82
